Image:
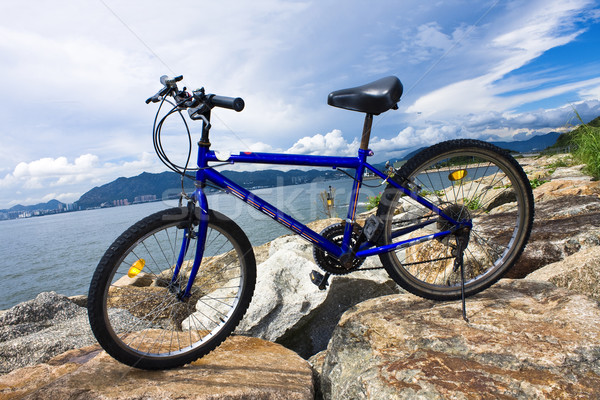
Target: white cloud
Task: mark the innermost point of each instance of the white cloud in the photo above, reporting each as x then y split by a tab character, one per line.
33	181
77	81
52	167
529	33
404	140
430	35
330	144
590	93
541	119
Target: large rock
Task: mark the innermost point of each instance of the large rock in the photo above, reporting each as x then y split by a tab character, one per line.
563	226
525	340
579	272
312	333
288	308
38	329
241	368
566	187
283	295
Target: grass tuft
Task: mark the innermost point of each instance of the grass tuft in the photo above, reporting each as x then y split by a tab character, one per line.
588	147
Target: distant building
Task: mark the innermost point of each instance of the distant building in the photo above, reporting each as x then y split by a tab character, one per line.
121	202
144	198
71	207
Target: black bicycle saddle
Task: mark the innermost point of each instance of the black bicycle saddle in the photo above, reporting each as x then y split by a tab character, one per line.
373	98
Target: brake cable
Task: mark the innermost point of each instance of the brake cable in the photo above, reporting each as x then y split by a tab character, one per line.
362	183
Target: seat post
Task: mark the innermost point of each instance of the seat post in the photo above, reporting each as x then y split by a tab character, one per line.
366	134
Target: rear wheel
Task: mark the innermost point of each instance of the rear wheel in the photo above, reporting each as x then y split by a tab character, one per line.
470	181
135	308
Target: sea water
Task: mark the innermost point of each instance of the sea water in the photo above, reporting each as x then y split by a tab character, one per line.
60	252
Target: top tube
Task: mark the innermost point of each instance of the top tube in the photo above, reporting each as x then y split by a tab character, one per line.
286	159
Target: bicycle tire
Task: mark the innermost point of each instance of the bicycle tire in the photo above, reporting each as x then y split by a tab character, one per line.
469	180
139	320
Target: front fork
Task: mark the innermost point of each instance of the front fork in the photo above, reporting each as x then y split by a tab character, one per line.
196	215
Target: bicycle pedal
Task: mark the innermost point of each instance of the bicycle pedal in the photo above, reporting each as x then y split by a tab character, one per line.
319	279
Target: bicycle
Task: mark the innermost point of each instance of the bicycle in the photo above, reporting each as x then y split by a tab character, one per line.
171	288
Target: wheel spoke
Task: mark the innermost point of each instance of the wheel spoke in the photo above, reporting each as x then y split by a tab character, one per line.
467	180
144	322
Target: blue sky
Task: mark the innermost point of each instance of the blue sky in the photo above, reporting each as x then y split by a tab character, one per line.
76	74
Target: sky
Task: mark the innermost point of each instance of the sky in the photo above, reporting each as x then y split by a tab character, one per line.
75	76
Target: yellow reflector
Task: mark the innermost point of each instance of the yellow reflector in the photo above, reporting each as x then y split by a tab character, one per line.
136	268
457	175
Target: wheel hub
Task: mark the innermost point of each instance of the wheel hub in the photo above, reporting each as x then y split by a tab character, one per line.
457	212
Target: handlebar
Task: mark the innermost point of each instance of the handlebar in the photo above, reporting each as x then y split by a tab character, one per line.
232	103
198	99
170	82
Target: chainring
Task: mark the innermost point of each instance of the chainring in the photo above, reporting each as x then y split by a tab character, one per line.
326	261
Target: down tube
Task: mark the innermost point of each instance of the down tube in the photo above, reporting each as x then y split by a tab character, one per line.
273	212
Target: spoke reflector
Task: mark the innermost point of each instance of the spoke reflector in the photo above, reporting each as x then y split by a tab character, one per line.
457	175
136	268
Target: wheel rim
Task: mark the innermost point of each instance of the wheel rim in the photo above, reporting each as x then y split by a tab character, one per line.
144	313
487	190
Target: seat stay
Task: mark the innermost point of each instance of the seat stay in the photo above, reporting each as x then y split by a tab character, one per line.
419	199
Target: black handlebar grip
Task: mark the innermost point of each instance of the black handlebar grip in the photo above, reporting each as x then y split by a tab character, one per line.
232	103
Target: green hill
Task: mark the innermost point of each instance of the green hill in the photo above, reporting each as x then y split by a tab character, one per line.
568	138
168	184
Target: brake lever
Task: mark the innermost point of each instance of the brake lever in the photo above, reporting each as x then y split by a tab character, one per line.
153	99
157	97
169	85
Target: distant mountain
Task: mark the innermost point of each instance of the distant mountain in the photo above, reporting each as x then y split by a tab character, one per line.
168	184
51	205
129	188
536	143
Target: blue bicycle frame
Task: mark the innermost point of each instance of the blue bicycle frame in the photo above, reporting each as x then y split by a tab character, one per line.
359	164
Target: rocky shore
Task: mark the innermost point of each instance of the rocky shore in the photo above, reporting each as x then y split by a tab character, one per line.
534	335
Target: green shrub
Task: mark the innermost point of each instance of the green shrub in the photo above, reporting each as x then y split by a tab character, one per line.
561	162
373	201
473	204
536	182
588	147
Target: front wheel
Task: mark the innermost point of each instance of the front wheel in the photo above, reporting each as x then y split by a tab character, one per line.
135	307
472	182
